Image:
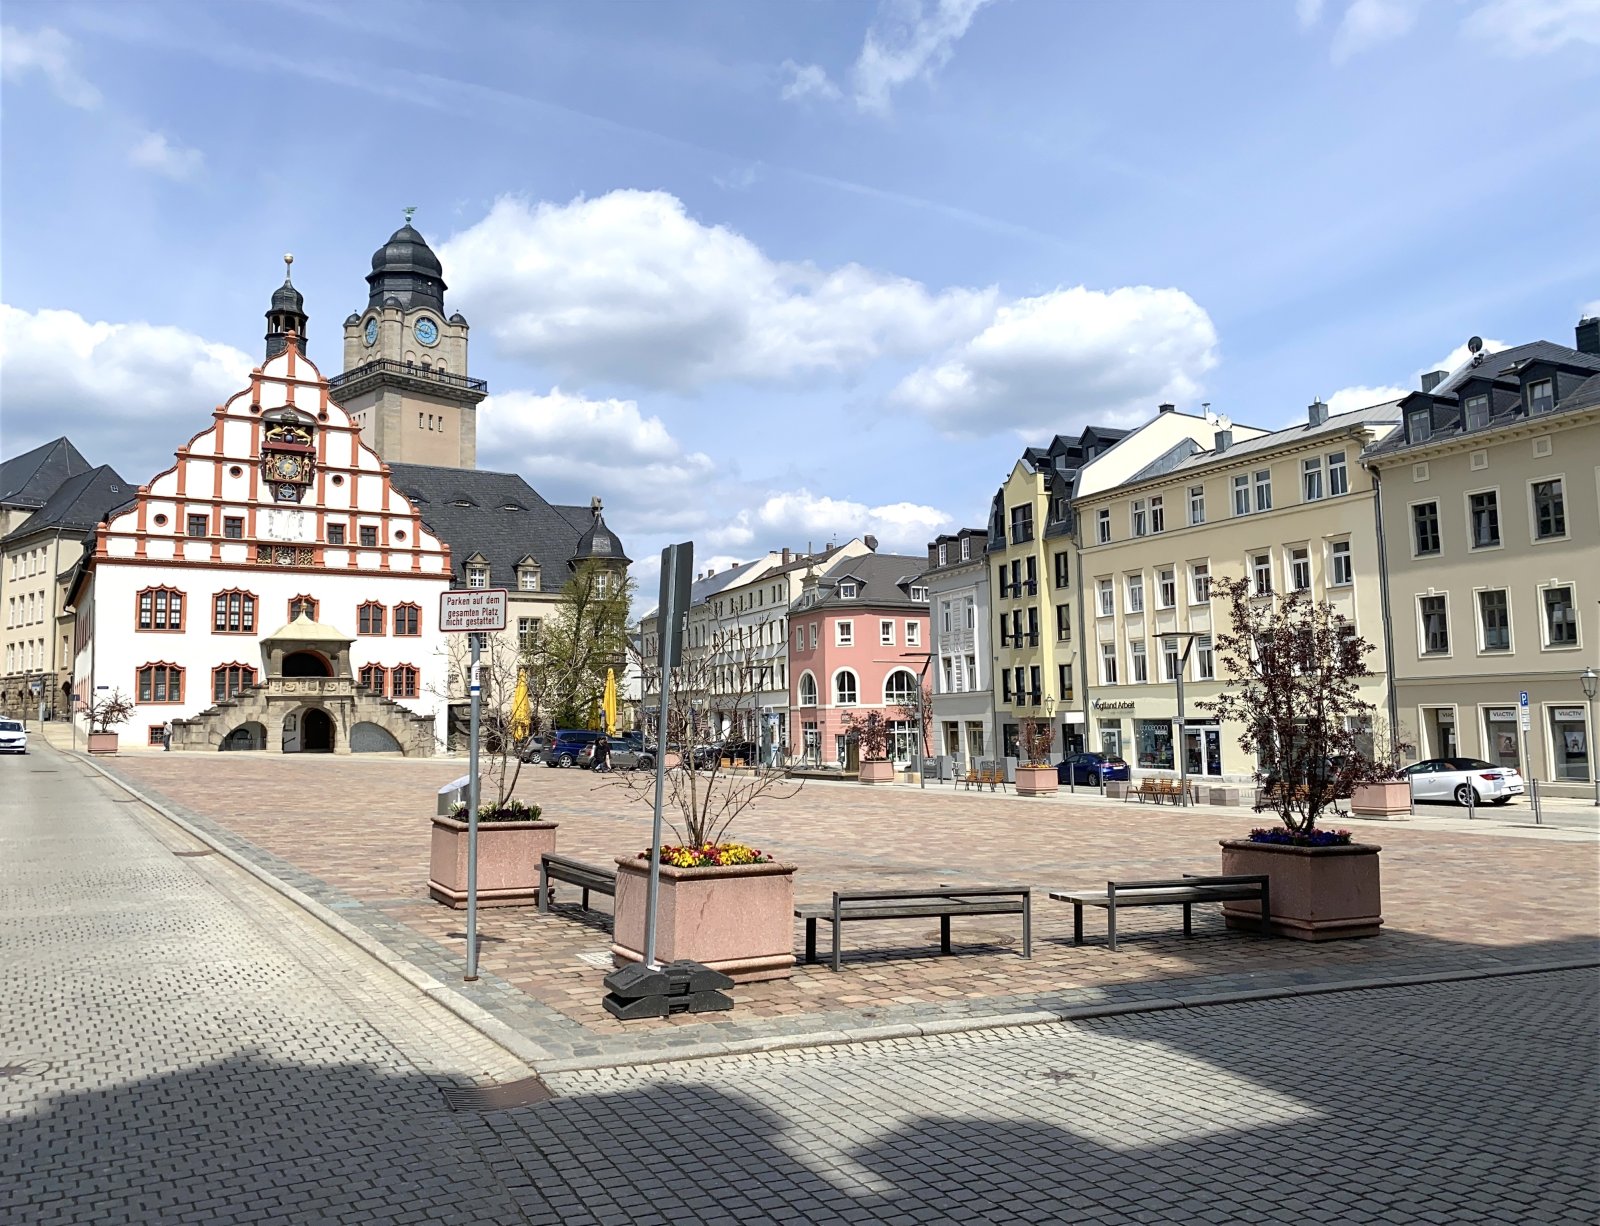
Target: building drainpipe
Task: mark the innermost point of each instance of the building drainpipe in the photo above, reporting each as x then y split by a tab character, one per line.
1383	598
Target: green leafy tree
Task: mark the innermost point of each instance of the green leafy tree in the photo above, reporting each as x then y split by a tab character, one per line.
587	635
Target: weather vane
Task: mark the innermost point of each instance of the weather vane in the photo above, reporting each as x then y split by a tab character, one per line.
408	212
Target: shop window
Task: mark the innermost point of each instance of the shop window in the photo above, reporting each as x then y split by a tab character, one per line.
1152	742
1569	743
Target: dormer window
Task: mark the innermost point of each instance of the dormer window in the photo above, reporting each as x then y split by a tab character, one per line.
477	576
847	591
1541	396
1419	426
1477	412
943	554
528	579
966	548
920	594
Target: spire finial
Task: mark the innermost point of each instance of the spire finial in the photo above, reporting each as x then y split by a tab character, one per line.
408	211
288	261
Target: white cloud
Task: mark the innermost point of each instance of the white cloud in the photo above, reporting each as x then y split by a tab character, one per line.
570	448
628	287
800	519
1066	357
154	151
129	393
910	39
1348	399
1367	23
1533	27
49	53
1309	11
808	81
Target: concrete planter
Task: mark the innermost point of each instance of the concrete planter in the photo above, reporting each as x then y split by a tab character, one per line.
738	920
876	770
1388	799
508	862
102	742
1117	789
1036	781
1222	794
1318	893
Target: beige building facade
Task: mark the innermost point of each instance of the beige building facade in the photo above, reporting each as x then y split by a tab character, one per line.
1491	527
1287	510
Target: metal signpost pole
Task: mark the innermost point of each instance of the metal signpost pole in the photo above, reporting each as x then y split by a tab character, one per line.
1527	758
476	690
677	570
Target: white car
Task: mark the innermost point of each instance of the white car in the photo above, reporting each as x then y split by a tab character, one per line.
1458	779
13	736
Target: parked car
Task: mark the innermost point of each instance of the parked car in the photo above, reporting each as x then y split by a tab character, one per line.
13	736
566	745
533	751
1458	779
626	755
1091	768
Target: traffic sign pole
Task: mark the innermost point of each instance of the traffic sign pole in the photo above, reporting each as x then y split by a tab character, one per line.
1527	758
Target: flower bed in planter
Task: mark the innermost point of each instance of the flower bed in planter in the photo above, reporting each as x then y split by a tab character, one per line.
735	918
876	770
508	859
1321	891
1036	780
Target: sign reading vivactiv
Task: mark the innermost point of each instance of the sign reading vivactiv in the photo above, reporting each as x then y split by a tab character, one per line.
467	609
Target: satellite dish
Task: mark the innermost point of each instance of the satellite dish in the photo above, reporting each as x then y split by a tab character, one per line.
1475	344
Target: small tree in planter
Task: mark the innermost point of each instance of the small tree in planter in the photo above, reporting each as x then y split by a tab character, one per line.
105	714
1292	667
1035	775
871	732
724	904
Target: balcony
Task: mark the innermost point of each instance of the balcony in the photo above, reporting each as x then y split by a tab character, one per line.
423	378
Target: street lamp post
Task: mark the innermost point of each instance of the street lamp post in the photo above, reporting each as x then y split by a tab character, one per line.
1591	685
1181	745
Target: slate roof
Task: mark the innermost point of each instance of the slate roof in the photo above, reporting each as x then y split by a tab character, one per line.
1497	364
79	503
496	515
885	580
29	479
1376	415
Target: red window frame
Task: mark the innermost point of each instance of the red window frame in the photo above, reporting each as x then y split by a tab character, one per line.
170	676
162	602
371	673
295	601
221	619
404	681
235	679
372	618
408	619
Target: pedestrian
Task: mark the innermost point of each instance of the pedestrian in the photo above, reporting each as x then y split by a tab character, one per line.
602	755
166	738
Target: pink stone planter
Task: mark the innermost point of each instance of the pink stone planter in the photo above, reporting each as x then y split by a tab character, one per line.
508	862
1388	799
1318	893
102	742
737	920
877	770
1036	780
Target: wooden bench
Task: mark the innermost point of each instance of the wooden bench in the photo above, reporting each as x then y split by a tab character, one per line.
945	902
987	772
589	878
1184	892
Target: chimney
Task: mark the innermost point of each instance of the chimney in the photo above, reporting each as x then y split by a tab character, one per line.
871	542
1165	408
1433	378
1317	412
1224	440
786	555
1589	335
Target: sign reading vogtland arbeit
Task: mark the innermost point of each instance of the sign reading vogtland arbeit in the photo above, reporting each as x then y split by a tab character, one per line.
467	609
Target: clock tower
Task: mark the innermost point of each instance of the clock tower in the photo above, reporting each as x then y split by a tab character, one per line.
405	380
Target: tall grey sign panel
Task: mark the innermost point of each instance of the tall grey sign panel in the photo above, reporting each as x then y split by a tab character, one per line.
677	575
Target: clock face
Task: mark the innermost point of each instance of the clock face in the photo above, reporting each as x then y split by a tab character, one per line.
287	467
427	331
372	331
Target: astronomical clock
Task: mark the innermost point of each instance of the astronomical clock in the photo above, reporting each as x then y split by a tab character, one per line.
287	459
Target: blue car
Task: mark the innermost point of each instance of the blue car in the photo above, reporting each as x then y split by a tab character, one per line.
1091	769
565	746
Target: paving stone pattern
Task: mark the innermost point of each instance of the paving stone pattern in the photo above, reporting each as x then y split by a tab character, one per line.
353	833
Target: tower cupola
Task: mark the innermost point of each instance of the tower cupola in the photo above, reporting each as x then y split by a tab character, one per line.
406	269
285	314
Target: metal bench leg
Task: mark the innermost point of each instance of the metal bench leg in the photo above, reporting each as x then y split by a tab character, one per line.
1027	925
1188	927
837	925
944	934
811	940
585	898
544	886
1077	923
1111	918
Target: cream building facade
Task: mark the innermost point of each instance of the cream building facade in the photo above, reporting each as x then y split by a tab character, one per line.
1288	510
959	611
1491	529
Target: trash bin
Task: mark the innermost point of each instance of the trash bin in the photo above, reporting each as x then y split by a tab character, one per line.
456	791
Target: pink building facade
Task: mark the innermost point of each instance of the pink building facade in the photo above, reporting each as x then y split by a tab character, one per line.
858	642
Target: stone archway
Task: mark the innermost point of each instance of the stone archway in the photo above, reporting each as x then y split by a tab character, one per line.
251	735
304	663
316	731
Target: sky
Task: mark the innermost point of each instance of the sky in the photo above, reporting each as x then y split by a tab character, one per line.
767	275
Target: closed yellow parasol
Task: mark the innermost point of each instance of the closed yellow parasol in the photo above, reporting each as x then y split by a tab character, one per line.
610	702
521	710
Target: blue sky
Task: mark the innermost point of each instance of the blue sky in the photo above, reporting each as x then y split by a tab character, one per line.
765	274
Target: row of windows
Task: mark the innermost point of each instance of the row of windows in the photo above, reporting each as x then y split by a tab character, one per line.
1556	610
1296	564
163	682
198	524
750	600
1547	518
944	550
844	633
1202	661
1540	398
29	563
234	612
899	688
25	610
26	656
1324	476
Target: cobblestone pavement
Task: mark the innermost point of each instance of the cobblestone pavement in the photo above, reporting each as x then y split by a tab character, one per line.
353	833
182	1045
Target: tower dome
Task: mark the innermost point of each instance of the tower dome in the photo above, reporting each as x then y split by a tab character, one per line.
286	313
405	268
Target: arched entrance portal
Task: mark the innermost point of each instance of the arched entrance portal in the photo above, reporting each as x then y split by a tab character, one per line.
306	664
316	731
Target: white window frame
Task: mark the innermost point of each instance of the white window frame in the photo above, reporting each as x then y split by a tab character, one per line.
833	688
1134	590
966	548
1158	514
1544	617
1252	561
1499	515
1510	648
943	553
848	590
1411	527
1167	587
1422	628
1108	664
1533	511
844	632
1199	569
1197	505
1241	494
1336	551
1138	520
808	675
1549	383
813	636
1138	662
1311	480
1263	490
1205	658
1337	463
1298	554
1106	593
1171	659
913	634
886	632
1102	521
